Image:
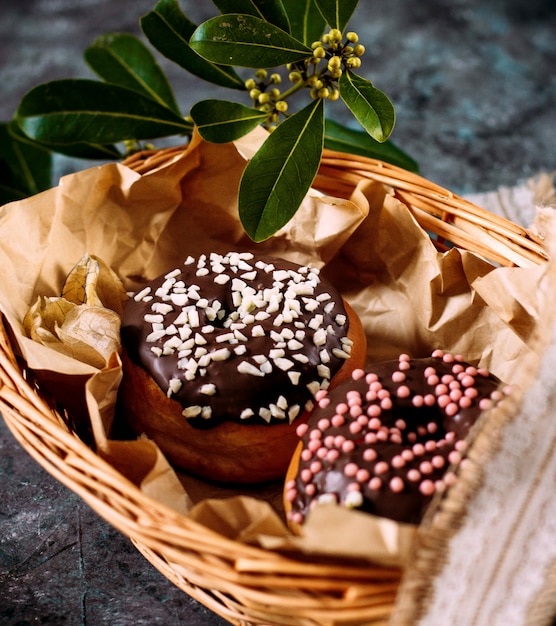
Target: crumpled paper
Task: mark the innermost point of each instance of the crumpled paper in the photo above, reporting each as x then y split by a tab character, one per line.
410	298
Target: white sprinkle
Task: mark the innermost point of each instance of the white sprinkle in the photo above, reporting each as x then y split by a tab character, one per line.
246	414
189	260
293	412
294	377
302	358
265	414
155	336
171	330
153	319
257	331
221	355
179	299
248	368
206	412
172	274
208	390
353	499
221	279
193	317
283	364
276	353
156	350
324	356
319	338
174	386
142	294
316	322
192	411
160	307
323	371
293	344
225	337
314	387
240	350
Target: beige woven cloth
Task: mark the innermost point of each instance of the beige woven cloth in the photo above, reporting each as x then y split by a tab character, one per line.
487	555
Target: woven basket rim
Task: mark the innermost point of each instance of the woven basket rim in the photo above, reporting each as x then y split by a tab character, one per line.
247	584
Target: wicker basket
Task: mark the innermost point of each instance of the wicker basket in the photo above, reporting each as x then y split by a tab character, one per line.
244	584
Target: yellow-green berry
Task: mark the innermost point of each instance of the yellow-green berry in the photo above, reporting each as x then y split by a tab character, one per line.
295	77
335	35
250	84
275	79
359	50
281	106
352	37
274	93
353	63
323	93
334	95
319	53
261	74
263	98
334	63
254	94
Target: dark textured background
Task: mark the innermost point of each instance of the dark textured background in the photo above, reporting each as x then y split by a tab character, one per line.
474	86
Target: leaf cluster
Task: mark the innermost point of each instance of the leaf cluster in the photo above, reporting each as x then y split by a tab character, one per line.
133	102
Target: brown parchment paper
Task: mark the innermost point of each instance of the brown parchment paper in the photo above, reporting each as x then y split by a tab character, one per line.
410	298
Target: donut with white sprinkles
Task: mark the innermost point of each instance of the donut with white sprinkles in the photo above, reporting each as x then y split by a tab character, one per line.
236	338
389	438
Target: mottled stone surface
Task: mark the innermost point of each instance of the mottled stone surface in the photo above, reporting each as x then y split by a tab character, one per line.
474	86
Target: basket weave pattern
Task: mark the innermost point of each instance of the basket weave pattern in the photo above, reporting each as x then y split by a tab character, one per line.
245	584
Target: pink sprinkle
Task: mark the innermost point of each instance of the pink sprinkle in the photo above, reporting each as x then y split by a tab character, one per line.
454	457
383	393
339	440
291	494
496	396
433	380
438	461
315	467
432	427
354	487
471	392
297	517
348	446
471	370
310	489
418	401
403	391
315	434
363	420
301	429
413	475
451	436
459	358
451	409
458	368
357	374
438	353
338	420
375	423
421	430
418	449
404	357
407	455
404	366
395	438
455	395
396	484
447	379
398	461
398	377
426	467
321	393
374	410
353	395
371	378
386	404
482	371
322	452
465	402
314	445
429	371
381	467
441	389
323	424
356	410
468	381
375	386
370	396
439	486
485	403
371	438
351	469
427	487
411	437
382	434
369	454
448	358
430	445
355	427
332	455
342	408
306	455
375	483
443	400
460	445
362	475
429	399
324	403
306	475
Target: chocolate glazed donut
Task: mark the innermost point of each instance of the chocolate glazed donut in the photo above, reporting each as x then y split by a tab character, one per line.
224	355
383	441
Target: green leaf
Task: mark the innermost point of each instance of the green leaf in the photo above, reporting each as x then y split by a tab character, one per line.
78	150
306	21
219	121
337	13
370	106
246	41
169	30
77	111
124	60
25	169
270	10
342	139
279	175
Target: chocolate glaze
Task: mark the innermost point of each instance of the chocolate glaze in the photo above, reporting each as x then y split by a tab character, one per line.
230	319
325	478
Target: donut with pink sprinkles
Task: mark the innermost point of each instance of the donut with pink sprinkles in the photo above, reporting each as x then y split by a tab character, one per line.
388	439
